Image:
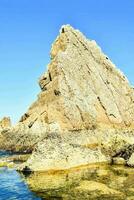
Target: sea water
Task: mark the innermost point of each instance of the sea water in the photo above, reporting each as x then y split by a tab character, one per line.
93	182
12	185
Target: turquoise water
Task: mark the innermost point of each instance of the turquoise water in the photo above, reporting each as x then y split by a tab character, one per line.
12	185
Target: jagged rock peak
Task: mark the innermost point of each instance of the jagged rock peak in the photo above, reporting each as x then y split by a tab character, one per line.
70	36
88	81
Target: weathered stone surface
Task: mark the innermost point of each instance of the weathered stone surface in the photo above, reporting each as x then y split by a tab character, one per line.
57	154
117	142
85	101
13	161
5	123
131	160
119	161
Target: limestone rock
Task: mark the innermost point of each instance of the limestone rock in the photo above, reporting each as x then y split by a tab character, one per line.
119	161
5	123
131	160
57	154
117	142
13	160
82	93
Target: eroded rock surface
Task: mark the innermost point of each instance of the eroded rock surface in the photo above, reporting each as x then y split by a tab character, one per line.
5	123
85	101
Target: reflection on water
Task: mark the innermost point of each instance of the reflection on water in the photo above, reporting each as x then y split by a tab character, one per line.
94	182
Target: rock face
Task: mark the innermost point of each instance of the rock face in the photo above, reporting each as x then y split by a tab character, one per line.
84	102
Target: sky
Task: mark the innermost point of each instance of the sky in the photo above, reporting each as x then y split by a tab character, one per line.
29	27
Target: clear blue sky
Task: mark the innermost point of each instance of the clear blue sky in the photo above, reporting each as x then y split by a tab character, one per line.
28	27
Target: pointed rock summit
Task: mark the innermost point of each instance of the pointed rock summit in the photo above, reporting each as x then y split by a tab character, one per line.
84	104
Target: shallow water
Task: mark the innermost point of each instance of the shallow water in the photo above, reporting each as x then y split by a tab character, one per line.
12	184
94	182
4	153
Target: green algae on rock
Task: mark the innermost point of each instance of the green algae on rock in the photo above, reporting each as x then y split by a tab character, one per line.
95	182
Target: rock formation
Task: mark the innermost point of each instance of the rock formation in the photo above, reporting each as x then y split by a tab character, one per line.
5	123
84	112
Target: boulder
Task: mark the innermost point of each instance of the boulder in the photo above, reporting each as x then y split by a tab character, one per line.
119	161
58	154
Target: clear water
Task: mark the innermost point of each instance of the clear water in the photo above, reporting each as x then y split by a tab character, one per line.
12	185
94	182
4	153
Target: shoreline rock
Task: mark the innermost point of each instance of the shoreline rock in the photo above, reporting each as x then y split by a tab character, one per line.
13	161
84	112
5	123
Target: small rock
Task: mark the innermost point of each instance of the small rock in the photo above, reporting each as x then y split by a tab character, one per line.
5	123
130	162
119	161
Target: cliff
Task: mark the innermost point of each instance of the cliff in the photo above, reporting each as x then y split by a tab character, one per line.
85	105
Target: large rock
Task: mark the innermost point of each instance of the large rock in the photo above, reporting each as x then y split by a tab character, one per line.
83	99
57	154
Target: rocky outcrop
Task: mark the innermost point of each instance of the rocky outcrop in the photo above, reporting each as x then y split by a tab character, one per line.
59	154
5	123
84	103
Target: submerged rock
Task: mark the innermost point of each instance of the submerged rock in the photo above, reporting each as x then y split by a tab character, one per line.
96	187
84	100
94	182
